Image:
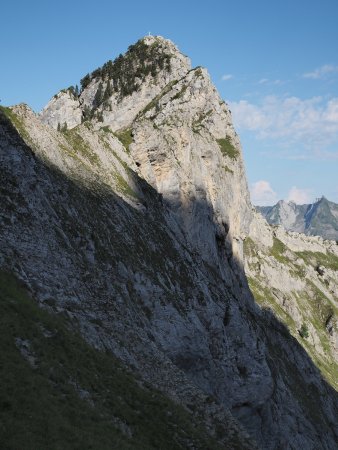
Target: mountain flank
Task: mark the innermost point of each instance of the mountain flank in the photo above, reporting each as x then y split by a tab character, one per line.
127	236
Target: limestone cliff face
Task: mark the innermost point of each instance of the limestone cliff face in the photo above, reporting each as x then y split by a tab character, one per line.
62	110
183	140
132	223
185	146
114	94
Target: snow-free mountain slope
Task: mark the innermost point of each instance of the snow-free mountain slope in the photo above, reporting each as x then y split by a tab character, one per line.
132	226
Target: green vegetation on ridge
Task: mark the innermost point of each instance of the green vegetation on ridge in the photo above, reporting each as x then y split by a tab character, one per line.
126	138
57	392
80	146
313	306
17	122
126	72
227	148
316	259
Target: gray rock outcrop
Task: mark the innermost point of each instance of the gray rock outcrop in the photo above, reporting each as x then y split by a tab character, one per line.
103	97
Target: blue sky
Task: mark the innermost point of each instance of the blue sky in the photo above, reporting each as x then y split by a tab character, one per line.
275	63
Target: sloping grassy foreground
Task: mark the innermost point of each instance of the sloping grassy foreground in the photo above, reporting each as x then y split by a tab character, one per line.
56	392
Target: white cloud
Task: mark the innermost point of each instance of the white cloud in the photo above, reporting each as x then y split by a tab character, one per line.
331	113
321	72
299	196
270	82
262	193
227	77
310	124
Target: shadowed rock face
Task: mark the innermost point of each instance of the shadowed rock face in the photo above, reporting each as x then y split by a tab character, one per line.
138	237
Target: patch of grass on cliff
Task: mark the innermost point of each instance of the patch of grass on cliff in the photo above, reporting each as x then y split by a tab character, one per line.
125	137
123	186
80	146
227	169
75	397
277	251
197	71
17	122
106	129
315	259
317	309
227	148
249	247
180	93
266	299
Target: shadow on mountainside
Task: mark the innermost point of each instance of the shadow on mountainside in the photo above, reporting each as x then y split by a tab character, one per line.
136	289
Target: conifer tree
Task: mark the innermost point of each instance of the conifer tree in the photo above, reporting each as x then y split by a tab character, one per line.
98	96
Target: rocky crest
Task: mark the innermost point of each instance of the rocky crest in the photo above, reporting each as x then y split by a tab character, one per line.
115	93
317	219
132	223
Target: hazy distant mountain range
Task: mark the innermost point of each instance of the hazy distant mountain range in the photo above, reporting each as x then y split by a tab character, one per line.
319	218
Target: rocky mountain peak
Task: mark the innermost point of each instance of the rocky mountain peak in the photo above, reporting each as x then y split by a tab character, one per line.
319	218
116	92
133	225
181	137
166	46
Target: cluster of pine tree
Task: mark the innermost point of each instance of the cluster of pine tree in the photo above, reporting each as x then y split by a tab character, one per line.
127	72
123	75
101	98
74	90
63	127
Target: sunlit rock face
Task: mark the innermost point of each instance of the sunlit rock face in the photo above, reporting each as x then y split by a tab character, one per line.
116	93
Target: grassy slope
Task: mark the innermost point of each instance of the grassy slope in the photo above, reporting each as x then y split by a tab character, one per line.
313	304
70	396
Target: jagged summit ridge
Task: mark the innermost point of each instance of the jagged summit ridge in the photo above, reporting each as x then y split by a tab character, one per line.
182	138
116	92
319	218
